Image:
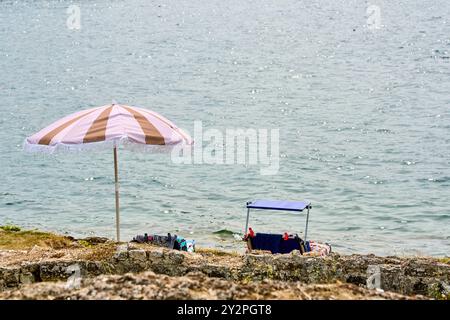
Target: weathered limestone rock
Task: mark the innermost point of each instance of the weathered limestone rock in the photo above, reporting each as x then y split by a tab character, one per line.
138	255
51	271
409	276
9	277
149	285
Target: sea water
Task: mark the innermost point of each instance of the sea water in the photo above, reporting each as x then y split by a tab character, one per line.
359	93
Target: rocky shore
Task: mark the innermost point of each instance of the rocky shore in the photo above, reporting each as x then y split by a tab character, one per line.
38	265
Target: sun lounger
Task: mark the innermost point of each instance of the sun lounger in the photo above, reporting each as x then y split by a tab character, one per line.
276	243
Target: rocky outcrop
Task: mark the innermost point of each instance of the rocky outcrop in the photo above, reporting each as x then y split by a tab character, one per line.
149	285
407	276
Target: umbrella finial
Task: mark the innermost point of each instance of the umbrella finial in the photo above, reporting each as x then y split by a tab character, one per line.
113	102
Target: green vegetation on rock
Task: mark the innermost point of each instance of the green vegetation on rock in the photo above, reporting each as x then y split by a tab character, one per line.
11	228
13	238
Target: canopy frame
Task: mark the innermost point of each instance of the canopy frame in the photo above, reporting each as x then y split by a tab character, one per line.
279	205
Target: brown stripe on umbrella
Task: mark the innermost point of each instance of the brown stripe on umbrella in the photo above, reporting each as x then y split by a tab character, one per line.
152	135
97	131
168	124
49	136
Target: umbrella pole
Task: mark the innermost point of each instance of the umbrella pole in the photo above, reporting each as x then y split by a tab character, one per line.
116	177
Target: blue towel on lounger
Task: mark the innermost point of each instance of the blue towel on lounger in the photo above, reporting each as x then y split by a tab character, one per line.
289	245
267	241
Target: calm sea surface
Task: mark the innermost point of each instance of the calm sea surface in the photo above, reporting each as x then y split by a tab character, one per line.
364	117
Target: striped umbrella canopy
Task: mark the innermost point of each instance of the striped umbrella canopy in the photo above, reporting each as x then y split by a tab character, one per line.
108	127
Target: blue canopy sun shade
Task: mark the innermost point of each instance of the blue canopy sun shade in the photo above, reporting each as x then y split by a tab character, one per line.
279	205
297	206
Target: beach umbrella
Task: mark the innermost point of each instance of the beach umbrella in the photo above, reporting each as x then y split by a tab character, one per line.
107	127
